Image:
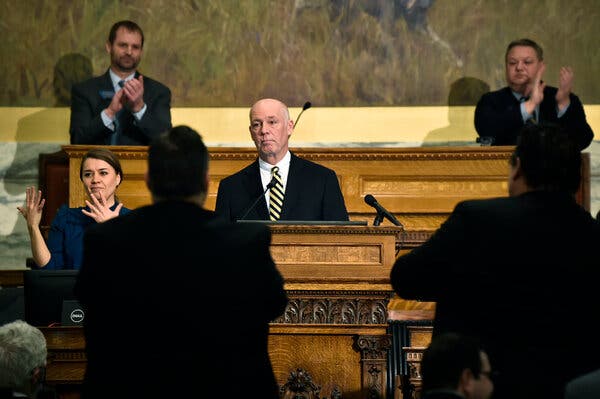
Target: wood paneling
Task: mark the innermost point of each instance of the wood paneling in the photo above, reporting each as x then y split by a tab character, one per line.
420	186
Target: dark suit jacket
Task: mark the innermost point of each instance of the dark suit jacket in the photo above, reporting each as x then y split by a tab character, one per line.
520	273
586	386
498	115
178	304
90	97
312	193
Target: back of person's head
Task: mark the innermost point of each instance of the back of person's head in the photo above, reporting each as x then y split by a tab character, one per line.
103	154
22	356
525	43
130	26
446	358
178	164
549	159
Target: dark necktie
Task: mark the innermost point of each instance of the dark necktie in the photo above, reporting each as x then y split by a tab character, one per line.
114	138
276	195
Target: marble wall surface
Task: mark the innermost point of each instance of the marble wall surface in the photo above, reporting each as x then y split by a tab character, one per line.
18	169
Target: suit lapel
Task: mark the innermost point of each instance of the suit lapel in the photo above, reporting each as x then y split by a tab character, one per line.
292	188
253	185
511	100
105	89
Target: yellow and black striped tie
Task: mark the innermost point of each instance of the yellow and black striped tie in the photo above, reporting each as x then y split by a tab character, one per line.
276	195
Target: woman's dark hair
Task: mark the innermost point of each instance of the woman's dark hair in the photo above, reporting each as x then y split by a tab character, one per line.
105	155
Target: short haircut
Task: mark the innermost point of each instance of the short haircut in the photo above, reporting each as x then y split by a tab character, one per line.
550	158
129	26
105	155
445	359
22	349
526	43
177	164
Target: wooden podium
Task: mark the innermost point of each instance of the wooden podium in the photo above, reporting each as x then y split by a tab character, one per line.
332	339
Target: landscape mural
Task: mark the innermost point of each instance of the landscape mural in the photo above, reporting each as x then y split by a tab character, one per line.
400	54
341	53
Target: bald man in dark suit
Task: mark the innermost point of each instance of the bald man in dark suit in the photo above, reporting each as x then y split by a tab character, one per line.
310	191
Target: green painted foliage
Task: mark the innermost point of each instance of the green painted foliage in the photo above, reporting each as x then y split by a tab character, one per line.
331	52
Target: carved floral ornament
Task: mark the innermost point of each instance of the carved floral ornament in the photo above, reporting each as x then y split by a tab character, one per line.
319	310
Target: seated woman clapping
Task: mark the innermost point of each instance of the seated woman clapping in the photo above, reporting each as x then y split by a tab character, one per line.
101	174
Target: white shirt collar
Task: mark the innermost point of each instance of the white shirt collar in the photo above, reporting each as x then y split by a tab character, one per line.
116	79
517	95
284	168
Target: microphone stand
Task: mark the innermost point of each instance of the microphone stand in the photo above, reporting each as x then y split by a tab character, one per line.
378	219
269	186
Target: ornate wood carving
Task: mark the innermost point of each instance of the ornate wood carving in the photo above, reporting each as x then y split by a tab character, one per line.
336	307
413	360
373	350
300	386
371	153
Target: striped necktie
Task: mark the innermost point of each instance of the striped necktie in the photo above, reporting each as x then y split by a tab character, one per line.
276	195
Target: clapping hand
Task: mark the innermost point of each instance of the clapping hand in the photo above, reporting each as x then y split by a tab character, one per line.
565	85
99	209
116	104
134	91
535	90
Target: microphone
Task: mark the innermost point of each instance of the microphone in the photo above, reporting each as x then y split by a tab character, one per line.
306	106
269	186
381	211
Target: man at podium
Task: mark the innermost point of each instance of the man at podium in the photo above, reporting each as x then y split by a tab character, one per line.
279	185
